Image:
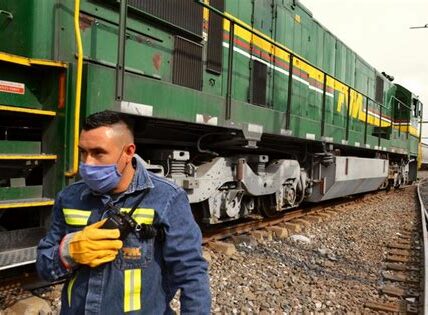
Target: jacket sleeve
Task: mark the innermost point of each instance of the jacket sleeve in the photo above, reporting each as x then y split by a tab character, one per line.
48	262
182	250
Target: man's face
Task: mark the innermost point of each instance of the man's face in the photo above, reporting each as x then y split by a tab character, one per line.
101	146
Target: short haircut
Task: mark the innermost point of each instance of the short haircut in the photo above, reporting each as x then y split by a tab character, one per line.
107	118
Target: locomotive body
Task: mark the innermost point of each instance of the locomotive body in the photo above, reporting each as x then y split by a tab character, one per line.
248	105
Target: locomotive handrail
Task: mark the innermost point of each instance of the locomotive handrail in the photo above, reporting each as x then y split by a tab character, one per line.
234	22
75	158
120	66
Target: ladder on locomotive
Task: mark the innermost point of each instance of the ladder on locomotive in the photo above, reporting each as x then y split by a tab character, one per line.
32	96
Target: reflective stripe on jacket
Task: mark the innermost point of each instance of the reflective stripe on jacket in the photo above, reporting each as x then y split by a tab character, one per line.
146	274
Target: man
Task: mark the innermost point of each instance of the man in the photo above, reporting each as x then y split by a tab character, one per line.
109	271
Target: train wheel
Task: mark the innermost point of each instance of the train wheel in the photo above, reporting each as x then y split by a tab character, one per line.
267	206
390	184
399	182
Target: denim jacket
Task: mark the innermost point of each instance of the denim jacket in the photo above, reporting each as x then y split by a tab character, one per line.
146	274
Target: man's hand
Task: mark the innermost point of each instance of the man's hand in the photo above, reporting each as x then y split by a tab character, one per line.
92	246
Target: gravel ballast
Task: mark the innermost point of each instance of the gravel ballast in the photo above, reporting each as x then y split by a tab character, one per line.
331	267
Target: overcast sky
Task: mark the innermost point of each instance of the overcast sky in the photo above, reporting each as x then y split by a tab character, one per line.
379	31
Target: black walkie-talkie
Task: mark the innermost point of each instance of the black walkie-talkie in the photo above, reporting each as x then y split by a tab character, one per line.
124	220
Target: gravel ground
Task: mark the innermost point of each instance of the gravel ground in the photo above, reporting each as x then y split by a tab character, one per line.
332	267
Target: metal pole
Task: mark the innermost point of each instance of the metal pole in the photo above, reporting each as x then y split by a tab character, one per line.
348	114
399	118
324	91
120	66
365	123
408	125
380	125
230	71
290	92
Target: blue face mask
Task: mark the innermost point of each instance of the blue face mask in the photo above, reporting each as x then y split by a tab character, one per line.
100	178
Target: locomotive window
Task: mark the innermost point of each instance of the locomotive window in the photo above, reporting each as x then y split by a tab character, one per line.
415	107
215	38
258	84
379	89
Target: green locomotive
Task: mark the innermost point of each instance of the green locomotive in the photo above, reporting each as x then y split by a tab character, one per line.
249	105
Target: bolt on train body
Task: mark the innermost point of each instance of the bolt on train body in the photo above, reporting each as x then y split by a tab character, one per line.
250	106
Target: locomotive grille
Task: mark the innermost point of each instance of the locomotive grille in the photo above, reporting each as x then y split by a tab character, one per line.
186	14
258	84
187	68
379	89
215	38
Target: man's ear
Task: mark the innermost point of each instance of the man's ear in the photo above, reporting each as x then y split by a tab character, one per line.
130	151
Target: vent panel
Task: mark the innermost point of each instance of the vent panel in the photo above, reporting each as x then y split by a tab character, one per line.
187	68
186	14
215	38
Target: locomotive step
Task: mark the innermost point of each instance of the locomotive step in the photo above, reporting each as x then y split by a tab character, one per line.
20	147
17	193
26	203
27	110
18	247
30	61
28	156
18	257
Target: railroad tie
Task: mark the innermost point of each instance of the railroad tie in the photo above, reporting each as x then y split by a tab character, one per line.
303	222
261	235
278	232
293	227
386	307
313	219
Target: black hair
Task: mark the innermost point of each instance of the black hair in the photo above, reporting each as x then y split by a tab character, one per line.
107	118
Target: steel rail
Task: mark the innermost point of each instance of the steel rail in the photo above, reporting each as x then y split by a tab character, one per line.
249	226
424	217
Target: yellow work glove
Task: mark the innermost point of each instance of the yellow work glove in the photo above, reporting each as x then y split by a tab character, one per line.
92	246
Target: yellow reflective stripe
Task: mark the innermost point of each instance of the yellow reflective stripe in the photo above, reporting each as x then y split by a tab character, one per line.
70	288
132	290
142	215
76	217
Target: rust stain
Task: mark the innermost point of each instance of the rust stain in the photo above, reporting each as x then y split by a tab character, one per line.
85	21
157	61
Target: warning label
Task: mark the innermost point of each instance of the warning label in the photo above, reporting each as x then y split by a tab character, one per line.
12	87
